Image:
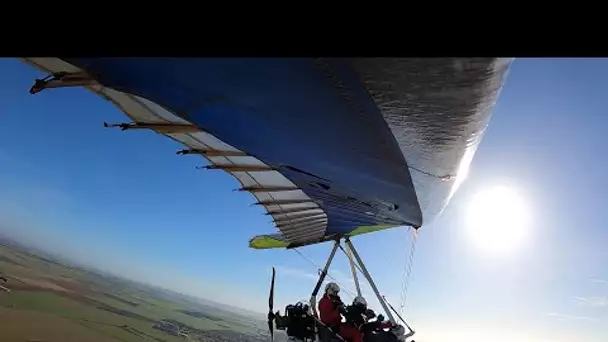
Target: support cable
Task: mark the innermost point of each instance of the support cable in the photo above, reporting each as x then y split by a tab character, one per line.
407	272
349	292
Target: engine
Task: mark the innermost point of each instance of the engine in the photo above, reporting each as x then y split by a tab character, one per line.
298	322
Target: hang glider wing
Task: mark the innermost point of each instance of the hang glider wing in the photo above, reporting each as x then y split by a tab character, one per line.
329	147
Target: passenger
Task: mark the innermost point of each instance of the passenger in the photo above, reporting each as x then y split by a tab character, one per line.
331	309
358	316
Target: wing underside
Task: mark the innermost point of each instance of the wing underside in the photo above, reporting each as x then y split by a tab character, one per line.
329	147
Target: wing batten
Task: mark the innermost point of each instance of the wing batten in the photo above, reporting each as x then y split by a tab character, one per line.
255	177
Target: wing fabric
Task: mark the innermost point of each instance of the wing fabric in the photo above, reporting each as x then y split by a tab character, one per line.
330	147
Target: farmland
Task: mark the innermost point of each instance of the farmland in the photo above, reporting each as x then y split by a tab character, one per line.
55	302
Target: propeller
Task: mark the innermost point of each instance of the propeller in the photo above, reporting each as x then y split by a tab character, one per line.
271	307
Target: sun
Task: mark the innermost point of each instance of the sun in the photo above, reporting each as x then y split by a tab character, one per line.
498	220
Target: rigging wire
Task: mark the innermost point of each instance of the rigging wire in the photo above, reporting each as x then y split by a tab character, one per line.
407	272
354	263
349	292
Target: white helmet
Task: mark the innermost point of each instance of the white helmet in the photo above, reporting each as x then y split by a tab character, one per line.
332	289
359	301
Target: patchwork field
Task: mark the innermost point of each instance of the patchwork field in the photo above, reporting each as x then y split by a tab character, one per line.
52	302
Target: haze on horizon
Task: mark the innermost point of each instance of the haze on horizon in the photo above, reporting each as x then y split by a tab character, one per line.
165	279
122	202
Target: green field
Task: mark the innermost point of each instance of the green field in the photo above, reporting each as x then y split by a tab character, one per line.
50	301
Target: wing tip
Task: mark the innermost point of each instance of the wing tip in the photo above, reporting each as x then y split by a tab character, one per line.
267	241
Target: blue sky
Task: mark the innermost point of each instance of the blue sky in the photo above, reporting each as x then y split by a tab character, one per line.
124	202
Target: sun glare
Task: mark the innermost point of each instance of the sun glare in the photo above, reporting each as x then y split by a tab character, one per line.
498	220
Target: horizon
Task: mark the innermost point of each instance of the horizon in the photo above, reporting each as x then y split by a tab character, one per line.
122	201
48	253
57	257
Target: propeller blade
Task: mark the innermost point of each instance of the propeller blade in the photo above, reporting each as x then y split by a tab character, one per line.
271	307
271	296
271	326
